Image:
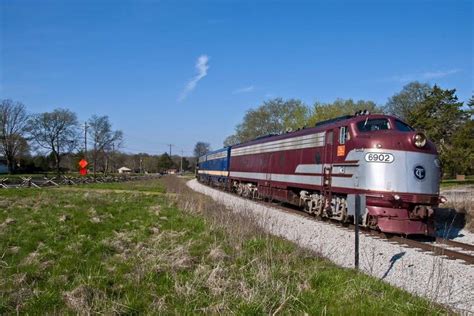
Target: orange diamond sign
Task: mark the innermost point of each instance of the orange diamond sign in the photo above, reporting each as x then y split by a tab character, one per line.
83	163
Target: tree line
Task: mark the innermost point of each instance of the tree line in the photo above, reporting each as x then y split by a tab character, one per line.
56	134
435	111
56	141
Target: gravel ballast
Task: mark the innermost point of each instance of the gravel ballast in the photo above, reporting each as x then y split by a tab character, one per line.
448	282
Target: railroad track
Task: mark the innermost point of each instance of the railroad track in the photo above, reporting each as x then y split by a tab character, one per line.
438	247
438	250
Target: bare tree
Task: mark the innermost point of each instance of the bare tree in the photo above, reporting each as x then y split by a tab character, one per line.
104	140
13	123
201	148
55	131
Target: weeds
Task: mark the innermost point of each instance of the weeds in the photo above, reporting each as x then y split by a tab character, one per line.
458	211
97	252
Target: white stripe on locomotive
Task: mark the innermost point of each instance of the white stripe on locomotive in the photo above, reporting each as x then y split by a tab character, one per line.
214	172
306	141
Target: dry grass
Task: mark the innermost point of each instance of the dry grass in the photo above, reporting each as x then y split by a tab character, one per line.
96	252
458	212
268	274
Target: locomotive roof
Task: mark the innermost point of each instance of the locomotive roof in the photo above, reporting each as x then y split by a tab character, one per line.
319	127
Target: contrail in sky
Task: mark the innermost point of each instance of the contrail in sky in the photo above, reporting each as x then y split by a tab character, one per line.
201	67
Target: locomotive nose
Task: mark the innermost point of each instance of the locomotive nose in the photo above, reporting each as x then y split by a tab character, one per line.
407	141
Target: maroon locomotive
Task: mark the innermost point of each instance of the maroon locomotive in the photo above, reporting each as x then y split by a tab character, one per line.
322	169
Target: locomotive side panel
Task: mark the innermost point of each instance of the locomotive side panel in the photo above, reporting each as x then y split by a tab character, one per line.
279	163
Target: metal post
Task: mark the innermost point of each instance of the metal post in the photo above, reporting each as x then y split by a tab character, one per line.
356	225
85	140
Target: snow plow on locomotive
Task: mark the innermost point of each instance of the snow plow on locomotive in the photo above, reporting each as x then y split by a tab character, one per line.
322	168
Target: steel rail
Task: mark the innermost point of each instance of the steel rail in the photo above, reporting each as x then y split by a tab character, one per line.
456	244
437	250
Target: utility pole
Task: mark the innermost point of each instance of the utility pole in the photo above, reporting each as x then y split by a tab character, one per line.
170	148
182	153
85	140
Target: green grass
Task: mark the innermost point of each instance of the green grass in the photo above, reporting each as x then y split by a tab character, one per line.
453	182
114	252
148	185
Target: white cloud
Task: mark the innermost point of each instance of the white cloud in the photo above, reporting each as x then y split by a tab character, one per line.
244	90
428	75
202	65
439	74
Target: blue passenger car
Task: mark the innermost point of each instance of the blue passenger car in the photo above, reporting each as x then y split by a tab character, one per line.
213	167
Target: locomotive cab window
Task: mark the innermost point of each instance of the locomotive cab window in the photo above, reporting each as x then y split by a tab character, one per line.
399	125
343	135
371	125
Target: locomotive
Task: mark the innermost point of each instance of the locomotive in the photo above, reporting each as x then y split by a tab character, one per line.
321	169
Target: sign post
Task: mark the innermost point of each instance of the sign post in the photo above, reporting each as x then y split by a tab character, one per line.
356	225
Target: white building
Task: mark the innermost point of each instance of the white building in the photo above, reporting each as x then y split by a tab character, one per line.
124	170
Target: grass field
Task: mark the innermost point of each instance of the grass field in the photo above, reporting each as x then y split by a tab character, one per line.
93	249
455	183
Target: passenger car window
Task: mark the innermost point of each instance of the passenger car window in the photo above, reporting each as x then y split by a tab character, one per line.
399	125
370	125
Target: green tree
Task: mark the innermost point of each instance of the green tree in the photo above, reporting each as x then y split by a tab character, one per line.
185	164
165	162
460	156
326	111
272	117
405	102
442	118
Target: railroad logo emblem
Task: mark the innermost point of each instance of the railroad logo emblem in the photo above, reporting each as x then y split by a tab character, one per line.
419	172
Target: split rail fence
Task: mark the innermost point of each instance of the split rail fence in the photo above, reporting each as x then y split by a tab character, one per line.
41	182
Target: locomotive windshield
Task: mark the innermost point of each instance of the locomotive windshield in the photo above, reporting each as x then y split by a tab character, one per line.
402	126
370	125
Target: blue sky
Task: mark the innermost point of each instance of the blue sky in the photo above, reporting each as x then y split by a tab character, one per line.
183	71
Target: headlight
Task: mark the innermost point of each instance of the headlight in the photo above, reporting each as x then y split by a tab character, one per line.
419	140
